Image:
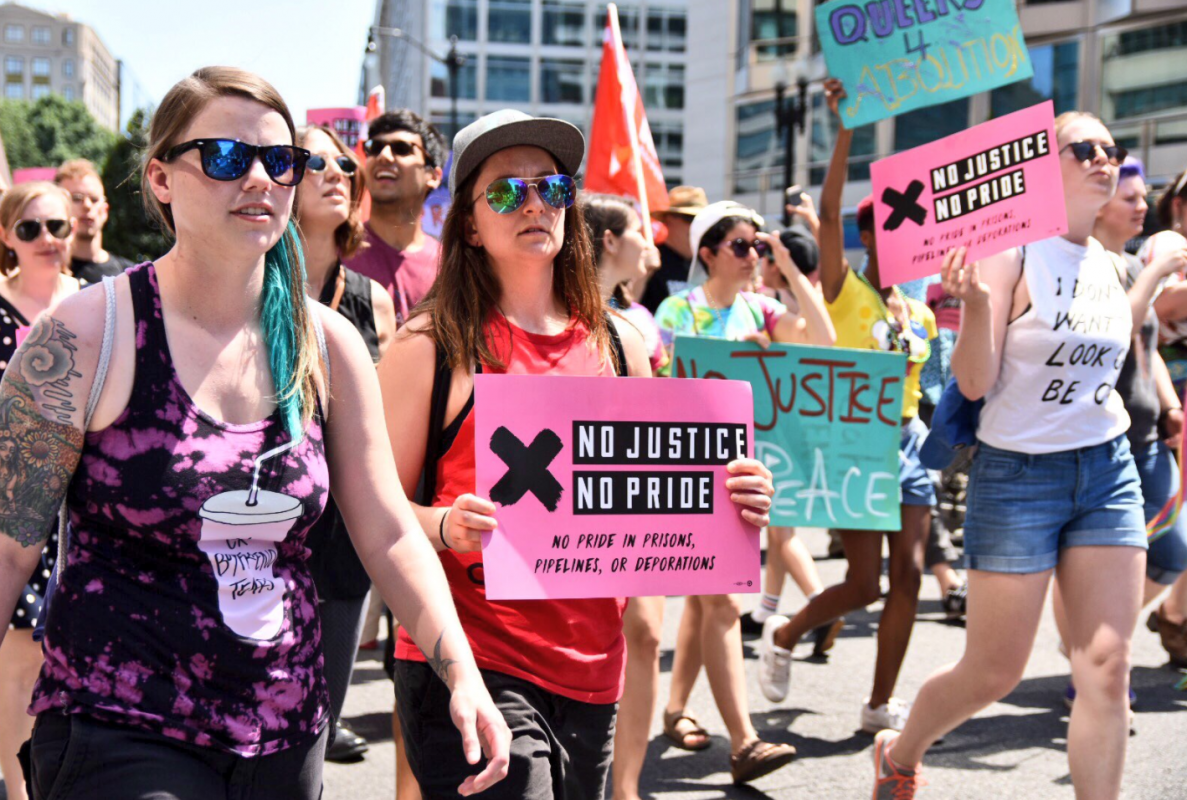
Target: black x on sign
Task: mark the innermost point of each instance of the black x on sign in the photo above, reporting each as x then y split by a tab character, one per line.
904	205
527	468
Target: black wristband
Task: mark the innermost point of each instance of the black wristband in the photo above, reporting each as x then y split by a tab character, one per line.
441	529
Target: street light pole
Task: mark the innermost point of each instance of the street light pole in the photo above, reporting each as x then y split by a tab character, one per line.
790	115
453	61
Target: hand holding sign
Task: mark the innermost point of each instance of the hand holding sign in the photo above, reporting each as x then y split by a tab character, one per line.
963	280
752	488
468	518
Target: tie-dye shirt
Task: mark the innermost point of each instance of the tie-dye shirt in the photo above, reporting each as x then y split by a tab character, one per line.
688	313
186	607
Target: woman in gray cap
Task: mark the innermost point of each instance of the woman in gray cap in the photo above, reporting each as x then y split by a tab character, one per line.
517	293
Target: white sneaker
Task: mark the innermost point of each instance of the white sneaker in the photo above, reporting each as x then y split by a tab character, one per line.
890	716
774	662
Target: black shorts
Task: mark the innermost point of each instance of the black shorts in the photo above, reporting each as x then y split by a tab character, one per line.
80	758
560	748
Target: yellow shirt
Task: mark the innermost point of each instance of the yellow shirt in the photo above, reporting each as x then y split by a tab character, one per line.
862	322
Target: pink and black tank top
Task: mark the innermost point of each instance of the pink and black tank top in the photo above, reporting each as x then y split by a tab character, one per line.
187	607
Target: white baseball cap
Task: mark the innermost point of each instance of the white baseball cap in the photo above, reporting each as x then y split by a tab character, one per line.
705	219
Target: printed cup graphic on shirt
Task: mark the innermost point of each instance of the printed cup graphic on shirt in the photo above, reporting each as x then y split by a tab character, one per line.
239	535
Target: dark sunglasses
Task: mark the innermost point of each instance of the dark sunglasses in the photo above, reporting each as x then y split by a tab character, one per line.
229	160
29	229
1086	151
507	194
345	163
400	148
741	247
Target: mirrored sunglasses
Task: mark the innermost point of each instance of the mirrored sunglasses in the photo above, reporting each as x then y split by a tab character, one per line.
508	194
230	159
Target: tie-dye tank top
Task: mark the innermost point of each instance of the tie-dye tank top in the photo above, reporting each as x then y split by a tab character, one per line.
187	607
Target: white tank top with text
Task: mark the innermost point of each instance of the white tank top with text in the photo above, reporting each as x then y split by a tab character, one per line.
1061	358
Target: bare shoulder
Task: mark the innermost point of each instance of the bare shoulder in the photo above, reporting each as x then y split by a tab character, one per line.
382	303
637	358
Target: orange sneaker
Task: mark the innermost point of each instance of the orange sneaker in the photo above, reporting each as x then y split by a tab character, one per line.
892	782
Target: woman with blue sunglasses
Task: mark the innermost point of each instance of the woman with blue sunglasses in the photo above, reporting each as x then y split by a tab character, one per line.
518	292
192	415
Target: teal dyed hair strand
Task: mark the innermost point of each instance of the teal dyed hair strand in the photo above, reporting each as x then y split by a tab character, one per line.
279	326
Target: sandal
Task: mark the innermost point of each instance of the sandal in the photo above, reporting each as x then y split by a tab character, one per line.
672	719
759	758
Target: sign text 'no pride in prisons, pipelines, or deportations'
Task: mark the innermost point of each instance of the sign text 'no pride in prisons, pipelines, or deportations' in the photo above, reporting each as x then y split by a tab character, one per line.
827	423
895	56
612	488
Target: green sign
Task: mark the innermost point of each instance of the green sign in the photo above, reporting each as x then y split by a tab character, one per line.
827	423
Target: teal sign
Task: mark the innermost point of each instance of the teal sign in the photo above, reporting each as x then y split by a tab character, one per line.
827	423
895	56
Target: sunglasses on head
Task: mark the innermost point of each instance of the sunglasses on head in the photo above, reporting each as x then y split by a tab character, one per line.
318	163
29	229
1086	151
400	148
741	247
229	159
508	194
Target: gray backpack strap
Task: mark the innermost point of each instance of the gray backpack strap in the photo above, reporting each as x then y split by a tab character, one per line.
93	397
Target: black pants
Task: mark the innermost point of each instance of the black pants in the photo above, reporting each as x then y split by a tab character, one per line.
341	625
79	758
560	748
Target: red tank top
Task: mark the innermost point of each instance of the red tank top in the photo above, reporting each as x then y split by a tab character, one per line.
573	648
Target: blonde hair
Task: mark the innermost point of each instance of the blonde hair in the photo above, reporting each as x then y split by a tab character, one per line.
14	203
76	168
350	234
293	352
1068	117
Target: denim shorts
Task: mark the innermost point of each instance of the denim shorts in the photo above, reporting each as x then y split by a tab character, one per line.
1022	509
1159	473
915	485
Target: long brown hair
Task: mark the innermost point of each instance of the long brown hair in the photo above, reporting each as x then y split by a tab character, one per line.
13	204
350	234
1166	203
467	290
287	328
607	212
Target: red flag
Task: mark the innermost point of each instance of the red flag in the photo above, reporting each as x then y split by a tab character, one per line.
375	103
622	157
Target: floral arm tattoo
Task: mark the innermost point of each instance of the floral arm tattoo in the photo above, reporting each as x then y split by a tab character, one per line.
39	443
439	663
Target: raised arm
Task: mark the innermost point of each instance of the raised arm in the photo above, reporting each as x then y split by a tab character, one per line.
832	236
818	325
986	290
394	550
43	399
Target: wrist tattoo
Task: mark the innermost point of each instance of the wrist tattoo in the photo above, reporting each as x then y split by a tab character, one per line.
439	663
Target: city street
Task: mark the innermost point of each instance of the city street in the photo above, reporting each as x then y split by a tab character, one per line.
1016	748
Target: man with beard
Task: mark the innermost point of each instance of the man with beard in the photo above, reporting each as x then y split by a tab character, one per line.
405	157
89	262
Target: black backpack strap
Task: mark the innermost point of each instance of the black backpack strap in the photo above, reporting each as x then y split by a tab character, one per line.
442	379
616	343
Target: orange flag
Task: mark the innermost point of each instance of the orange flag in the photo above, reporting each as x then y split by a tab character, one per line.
375	103
622	157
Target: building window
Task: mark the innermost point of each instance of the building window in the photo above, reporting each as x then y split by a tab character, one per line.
1057	77
41	67
508	79
68	36
42	35
15	91
669	147
68	92
454	18
40	90
510	21
772	23
925	125
663	86
14	33
1142	74
1149	99
564	23
1162	37
561	81
824	128
442	119
467	79
628	25
14	65
666	29
68	68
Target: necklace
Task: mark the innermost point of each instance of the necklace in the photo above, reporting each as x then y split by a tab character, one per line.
716	311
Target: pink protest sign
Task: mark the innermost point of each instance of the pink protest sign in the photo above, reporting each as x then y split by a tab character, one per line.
612	487
992	187
349	123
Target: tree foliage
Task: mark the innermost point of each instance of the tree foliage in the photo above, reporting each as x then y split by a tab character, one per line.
50	130
129	231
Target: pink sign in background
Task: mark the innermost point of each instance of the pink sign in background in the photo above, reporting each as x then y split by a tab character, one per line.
27	174
349	123
991	187
668	552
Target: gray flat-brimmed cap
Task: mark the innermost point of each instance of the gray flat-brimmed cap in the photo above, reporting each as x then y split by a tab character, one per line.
507	128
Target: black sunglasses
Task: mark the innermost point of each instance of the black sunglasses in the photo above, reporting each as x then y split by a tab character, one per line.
230	159
29	229
400	148
345	163
1086	151
741	247
506	195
